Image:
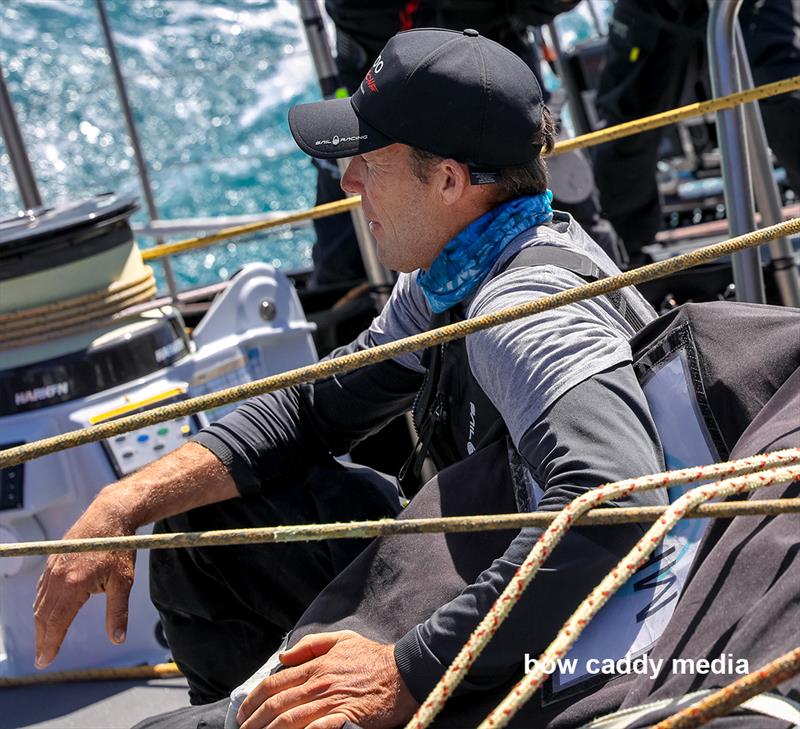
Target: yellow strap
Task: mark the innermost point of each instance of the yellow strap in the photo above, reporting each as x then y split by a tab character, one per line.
320	211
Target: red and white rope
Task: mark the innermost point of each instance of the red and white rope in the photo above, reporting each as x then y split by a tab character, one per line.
730	697
547	542
615	579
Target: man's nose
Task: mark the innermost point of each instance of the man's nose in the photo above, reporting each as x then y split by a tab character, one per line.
351	179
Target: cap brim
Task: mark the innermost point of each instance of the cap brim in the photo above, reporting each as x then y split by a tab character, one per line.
332	129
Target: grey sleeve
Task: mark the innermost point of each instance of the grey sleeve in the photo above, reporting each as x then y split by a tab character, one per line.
277	434
599	431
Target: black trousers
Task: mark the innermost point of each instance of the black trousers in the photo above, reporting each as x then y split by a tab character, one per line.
224	610
653	60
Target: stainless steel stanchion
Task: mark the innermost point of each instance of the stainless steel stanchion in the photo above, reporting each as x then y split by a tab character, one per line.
725	80
141	163
768	198
17	153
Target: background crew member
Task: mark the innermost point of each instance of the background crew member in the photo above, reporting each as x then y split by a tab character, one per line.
656	60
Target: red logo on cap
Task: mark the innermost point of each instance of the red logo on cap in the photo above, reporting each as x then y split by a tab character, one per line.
370	79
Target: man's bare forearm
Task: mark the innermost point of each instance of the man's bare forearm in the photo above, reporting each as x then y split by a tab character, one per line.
189	477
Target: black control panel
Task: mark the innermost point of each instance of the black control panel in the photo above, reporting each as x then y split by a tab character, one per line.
11	486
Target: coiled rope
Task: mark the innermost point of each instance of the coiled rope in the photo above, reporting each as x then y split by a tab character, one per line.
77	314
726	699
618	131
551	537
618	576
385	527
349	362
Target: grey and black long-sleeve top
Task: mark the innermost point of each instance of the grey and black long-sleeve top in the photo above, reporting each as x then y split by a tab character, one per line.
562	383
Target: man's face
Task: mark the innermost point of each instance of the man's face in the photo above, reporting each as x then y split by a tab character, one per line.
401	209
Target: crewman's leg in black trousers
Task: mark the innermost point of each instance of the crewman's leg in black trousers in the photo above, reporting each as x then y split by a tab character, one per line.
647	62
225	610
336	254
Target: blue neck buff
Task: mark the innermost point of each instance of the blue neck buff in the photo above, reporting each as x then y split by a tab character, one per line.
466	260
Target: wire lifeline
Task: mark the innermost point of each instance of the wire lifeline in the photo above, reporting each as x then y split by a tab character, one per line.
423	340
387	527
158	670
729	697
547	542
588	609
618	131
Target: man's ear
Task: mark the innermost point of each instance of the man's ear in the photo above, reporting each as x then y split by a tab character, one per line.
452	181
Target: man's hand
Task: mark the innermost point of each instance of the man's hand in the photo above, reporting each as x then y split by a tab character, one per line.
333	677
161	489
69	579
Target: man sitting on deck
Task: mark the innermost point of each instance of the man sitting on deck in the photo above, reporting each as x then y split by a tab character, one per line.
445	137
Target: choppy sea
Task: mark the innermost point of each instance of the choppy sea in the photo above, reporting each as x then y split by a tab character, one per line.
210	83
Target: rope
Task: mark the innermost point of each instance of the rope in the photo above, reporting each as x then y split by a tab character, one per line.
725	700
547	542
159	670
618	576
385	527
618	131
665	118
349	362
89	311
190	244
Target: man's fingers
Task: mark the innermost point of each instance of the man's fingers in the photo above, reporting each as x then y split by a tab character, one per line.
281	703
52	624
270	686
302	717
118	592
313	646
41	587
332	721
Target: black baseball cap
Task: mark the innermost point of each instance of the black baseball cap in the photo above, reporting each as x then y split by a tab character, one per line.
451	93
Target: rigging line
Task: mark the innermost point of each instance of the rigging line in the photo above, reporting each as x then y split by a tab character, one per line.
618	131
385	527
665	118
530	566
726	699
390	350
614	580
128	673
190	244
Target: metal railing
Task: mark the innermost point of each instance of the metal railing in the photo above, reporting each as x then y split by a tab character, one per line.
745	167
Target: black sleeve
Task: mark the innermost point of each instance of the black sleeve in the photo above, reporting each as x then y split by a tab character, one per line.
280	433
600	431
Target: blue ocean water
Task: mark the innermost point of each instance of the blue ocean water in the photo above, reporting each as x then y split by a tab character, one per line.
210	83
